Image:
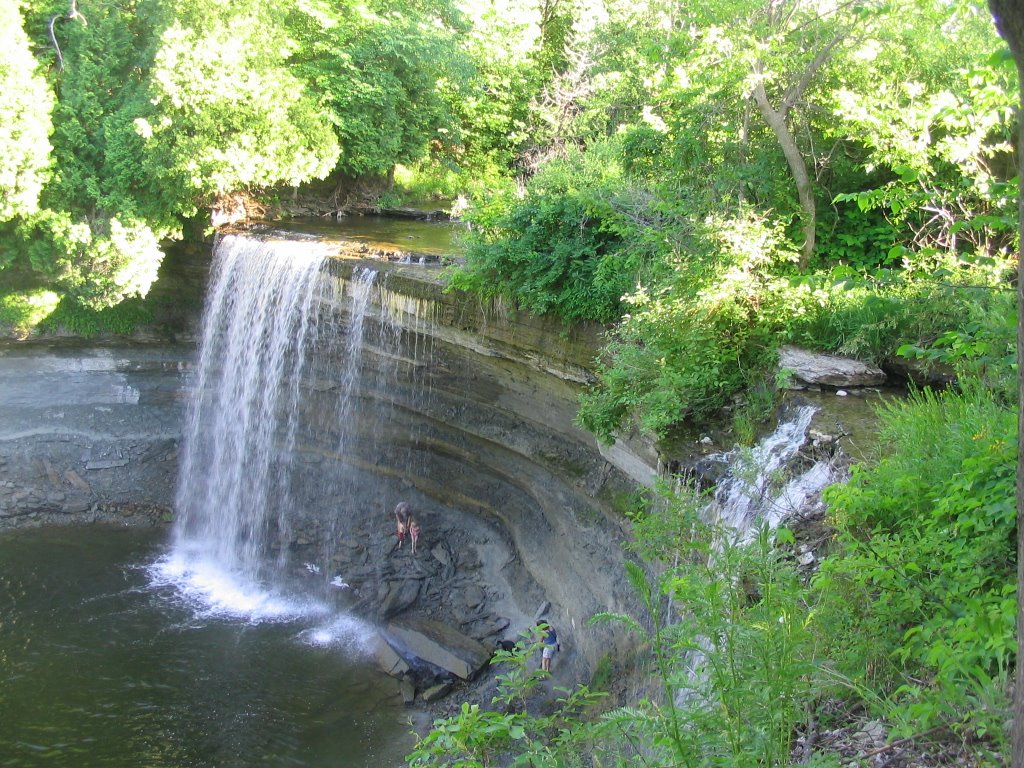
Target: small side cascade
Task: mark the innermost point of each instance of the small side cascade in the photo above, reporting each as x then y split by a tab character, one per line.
360	291
418	314
751	491
765	484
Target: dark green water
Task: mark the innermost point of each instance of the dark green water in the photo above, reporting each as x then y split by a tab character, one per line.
99	668
437	238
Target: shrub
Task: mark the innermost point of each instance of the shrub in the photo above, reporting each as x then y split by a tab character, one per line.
736	656
920	599
560	248
683	350
478	736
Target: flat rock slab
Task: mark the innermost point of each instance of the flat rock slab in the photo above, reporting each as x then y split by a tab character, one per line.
441	646
815	368
389	661
435	692
397	596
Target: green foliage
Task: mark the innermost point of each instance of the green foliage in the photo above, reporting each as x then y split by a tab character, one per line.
920	600
376	72
873	316
24	121
122	319
860	239
163	107
949	153
559	248
982	345
686	349
737	664
491	105
22	311
160	107
228	115
693	213
508	733
758	405
98	263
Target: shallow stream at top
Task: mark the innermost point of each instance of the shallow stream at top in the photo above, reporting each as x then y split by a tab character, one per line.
427	237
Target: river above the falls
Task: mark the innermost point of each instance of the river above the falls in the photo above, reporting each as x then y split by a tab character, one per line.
435	238
104	667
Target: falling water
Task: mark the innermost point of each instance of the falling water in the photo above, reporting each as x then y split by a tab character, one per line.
362	284
765	485
750	493
234	500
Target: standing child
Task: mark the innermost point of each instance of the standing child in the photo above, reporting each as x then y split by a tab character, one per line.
402	523
414	532
550	645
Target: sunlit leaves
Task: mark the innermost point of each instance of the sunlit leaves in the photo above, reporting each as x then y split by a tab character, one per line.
231	115
24	120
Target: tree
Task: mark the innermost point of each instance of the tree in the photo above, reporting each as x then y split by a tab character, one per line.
1009	17
161	106
227	114
25	124
378	73
757	97
807	43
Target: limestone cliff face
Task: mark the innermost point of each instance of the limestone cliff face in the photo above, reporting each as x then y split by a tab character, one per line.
468	413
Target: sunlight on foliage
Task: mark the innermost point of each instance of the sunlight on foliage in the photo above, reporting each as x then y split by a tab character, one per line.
22	312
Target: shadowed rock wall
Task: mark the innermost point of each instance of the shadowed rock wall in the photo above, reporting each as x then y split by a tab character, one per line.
468	415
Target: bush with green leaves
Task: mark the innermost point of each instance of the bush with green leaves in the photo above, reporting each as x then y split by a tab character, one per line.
560	248
878	315
735	654
919	599
25	124
509	732
709	329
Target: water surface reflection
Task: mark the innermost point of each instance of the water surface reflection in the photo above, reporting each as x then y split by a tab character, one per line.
101	669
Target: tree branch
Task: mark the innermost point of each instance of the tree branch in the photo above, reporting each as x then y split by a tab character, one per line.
74	15
796	91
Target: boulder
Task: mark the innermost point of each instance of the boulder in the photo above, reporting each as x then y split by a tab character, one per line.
441	554
435	692
389	661
488	626
816	368
472	595
398	596
440	645
407	689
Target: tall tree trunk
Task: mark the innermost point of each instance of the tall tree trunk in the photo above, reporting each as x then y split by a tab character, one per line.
797	166
1009	16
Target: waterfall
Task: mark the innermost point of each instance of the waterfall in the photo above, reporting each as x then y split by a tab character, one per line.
749	492
235	500
763	484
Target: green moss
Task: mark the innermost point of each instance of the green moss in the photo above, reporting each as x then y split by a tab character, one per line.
603	674
629	504
22	311
121	319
